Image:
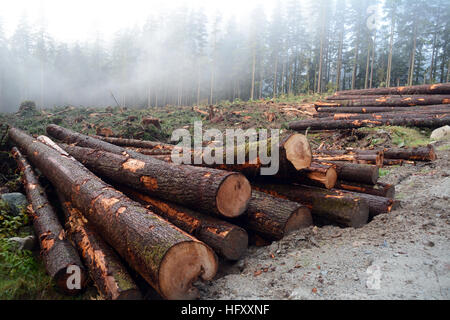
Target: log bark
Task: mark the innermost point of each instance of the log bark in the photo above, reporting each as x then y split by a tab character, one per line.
361	173
228	240
409	121
166	257
273	218
439	88
151	152
57	252
413	154
379	189
326	207
105	268
208	190
388	101
321	175
335	98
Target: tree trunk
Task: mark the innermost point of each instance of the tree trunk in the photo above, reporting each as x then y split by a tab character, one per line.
228	240
408	121
165	256
56	251
326	207
391	44
438	88
105	268
273	218
395	101
414	154
330	111
379	189
136	143
209	190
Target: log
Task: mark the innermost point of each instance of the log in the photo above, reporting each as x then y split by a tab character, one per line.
208	190
326	124
134	143
354	155
389	115
394	162
110	276
335	98
439	88
331	111
273	218
169	259
326	207
151	152
388	101
57	252
378	189
362	173
228	240
413	154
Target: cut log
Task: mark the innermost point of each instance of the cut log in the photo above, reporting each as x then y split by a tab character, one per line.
144	144
228	240
321	175
389	115
273	218
208	190
353	155
379	189
105	268
439	88
394	162
326	124
367	174
151	152
337	98
413	154
57	252
326	207
331	111
388	101
165	256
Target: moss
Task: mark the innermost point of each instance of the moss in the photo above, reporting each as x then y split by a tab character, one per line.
383	172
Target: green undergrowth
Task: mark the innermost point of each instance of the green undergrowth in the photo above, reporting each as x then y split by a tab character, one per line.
399	136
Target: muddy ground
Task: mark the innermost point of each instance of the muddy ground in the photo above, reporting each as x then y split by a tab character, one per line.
401	255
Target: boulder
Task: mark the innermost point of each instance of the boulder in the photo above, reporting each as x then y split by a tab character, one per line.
442	133
16	202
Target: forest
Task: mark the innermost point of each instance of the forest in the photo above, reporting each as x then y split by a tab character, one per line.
190	57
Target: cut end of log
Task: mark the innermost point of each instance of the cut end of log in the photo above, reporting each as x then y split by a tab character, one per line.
238	240
182	265
300	218
298	151
237	188
328	179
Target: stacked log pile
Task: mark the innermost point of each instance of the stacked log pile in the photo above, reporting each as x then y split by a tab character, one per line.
417	106
170	222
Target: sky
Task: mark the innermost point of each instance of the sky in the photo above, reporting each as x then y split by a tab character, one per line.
80	20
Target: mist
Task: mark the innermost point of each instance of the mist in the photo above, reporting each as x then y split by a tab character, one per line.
187	55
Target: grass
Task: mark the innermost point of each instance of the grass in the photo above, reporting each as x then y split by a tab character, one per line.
401	136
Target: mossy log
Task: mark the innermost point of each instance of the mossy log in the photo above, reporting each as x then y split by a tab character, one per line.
57	252
105	268
326	207
168	258
211	191
228	240
378	189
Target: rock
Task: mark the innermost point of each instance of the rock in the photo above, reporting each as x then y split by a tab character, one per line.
16	201
442	133
27	243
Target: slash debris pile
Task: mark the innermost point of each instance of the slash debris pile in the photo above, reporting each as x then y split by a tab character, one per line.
418	106
127	205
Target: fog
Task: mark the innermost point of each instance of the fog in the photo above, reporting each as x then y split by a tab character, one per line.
154	53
